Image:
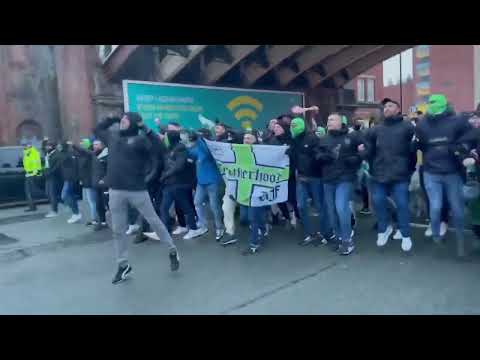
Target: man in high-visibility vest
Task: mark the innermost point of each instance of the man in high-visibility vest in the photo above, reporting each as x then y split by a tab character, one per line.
33	166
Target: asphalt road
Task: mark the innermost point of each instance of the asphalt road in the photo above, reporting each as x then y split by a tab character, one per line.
283	279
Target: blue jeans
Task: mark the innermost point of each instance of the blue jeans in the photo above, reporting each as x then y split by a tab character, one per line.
451	185
337	198
91	195
212	193
400	194
312	188
244	219
69	197
179	194
257	218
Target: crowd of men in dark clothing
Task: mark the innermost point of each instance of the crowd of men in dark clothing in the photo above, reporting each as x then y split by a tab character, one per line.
159	184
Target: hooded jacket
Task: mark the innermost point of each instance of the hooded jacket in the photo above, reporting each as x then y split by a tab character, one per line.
285	140
178	169
338	151
53	162
206	167
390	151
439	138
129	155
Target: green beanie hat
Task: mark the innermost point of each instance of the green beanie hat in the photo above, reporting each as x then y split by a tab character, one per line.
437	104
86	143
297	127
344	120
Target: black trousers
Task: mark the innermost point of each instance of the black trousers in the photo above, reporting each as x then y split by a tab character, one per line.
102	204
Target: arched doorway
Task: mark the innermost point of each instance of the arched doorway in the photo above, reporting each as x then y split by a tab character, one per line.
29	131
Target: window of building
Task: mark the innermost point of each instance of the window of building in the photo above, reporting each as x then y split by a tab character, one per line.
361	90
370	90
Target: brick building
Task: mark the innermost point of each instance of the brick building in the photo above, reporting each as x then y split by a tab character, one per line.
453	70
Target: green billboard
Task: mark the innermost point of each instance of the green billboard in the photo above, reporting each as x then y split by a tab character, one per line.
197	107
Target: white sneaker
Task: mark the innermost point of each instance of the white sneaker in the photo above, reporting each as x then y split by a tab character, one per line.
428	232
74	219
406	244
51	214
132	229
179	231
382	239
443	229
152	235
195	233
398	235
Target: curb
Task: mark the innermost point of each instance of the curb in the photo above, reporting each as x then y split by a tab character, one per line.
62	243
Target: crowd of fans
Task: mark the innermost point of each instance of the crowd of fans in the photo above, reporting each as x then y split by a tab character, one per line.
156	185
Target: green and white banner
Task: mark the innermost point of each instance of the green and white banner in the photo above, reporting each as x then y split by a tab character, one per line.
255	175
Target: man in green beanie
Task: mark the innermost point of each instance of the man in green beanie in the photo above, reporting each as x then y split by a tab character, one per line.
439	136
309	184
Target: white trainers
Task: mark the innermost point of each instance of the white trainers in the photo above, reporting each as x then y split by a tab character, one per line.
74	219
51	214
152	235
428	232
406	244
443	229
382	239
132	229
398	235
195	233
180	230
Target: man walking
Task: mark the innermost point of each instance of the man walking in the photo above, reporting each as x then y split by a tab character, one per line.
392	157
126	171
32	165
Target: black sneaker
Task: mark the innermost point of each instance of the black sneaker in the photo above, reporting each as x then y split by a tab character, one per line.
346	250
307	241
251	251
122	273
174	260
365	211
319	240
99	226
219	234
139	238
228	240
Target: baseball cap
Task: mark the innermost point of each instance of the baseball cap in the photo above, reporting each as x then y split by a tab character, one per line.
387	100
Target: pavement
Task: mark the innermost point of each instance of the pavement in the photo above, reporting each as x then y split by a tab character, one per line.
71	269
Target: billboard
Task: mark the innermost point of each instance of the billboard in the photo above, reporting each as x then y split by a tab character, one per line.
197	107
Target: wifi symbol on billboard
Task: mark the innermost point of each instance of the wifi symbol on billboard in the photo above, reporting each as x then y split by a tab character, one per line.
245	109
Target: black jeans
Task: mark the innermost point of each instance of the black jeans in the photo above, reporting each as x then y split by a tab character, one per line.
181	195
30	188
101	204
52	185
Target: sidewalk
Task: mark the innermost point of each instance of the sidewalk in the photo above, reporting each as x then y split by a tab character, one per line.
25	234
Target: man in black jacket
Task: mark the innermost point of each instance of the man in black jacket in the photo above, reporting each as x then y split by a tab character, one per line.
338	151
71	187
177	180
53	176
99	172
309	183
439	137
129	153
392	158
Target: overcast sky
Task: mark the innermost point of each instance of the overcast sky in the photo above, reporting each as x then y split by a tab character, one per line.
391	68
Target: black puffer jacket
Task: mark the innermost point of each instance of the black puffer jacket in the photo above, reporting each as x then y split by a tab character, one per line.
99	169
439	138
69	166
390	150
303	151
84	166
178	169
338	151
54	169
283	140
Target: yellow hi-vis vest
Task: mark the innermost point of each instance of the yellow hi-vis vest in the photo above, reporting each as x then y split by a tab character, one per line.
31	162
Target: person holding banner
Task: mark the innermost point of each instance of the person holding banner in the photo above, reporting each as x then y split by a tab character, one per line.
339	154
309	182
